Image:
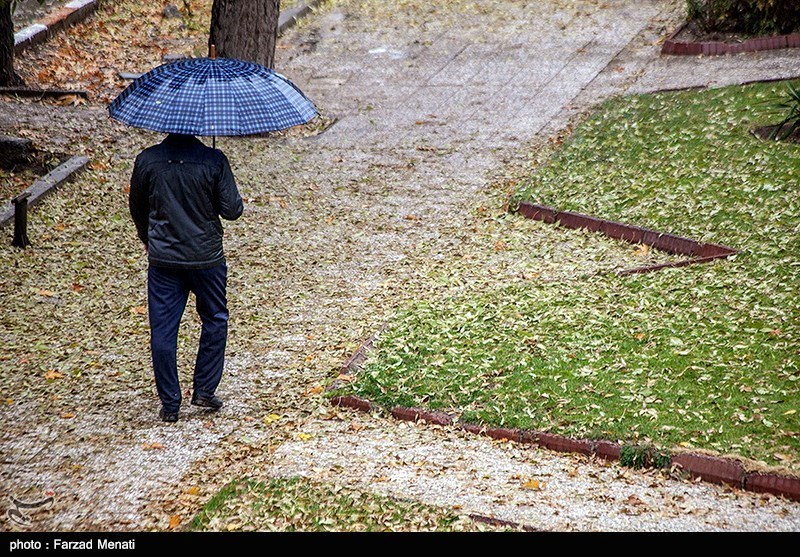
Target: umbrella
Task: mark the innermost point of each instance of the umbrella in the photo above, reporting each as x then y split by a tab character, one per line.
212	96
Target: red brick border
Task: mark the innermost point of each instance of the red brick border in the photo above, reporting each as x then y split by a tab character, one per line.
711	469
715	48
708	468
698	251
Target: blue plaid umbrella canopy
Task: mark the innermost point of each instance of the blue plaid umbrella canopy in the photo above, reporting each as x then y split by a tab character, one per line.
210	97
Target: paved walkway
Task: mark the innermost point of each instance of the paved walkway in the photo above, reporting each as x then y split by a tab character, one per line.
432	109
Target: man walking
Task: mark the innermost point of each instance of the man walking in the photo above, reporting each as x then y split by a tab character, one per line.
179	190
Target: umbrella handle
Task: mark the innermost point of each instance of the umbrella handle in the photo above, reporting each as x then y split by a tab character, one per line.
213	52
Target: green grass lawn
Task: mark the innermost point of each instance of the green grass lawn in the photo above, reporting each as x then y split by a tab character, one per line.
298	504
705	356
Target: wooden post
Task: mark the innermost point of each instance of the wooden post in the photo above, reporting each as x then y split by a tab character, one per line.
20	204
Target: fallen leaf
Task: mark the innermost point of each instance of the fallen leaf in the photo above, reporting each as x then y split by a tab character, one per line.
634	500
304	436
271	418
314	390
141	310
194	490
789	412
53	374
344	377
9	401
67	415
174	521
77	287
642	250
533	484
152	446
46	293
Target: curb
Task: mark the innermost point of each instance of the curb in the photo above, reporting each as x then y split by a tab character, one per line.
716	48
38	32
78	10
711	469
60	175
288	18
700	252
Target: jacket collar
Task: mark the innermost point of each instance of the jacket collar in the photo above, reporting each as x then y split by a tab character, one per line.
180	139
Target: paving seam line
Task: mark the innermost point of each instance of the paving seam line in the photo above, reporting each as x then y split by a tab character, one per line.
706	468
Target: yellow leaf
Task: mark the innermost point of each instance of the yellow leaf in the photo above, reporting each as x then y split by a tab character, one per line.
533	484
194	490
9	401
233	526
314	390
789	412
67	415
684	444
174	521
53	374
642	250
271	418
304	436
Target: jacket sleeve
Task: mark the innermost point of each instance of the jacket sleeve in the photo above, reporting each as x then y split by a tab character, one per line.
139	201
228	199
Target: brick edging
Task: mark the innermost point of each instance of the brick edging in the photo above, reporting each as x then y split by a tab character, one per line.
715	48
71	13
707	468
43	185
698	251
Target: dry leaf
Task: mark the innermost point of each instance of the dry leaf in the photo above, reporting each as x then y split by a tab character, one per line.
152	446
304	436
194	490
174	521
314	390
642	250
789	412
9	401
345	377
46	293
533	484
53	374
634	500
67	415
271	418
141	310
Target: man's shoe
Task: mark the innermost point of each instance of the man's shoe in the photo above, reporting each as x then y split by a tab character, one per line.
207	402
168	416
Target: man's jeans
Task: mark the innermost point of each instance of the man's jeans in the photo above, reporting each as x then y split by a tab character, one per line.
167	293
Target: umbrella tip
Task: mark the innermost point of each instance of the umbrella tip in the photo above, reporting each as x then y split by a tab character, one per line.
213	51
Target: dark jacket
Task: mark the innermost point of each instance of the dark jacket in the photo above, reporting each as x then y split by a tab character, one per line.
179	189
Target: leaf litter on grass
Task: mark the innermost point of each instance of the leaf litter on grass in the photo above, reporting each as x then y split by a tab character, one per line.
704	356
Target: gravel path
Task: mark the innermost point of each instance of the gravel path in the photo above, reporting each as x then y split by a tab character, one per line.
436	109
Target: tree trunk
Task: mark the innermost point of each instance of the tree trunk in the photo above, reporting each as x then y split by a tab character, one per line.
245	29
7	75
